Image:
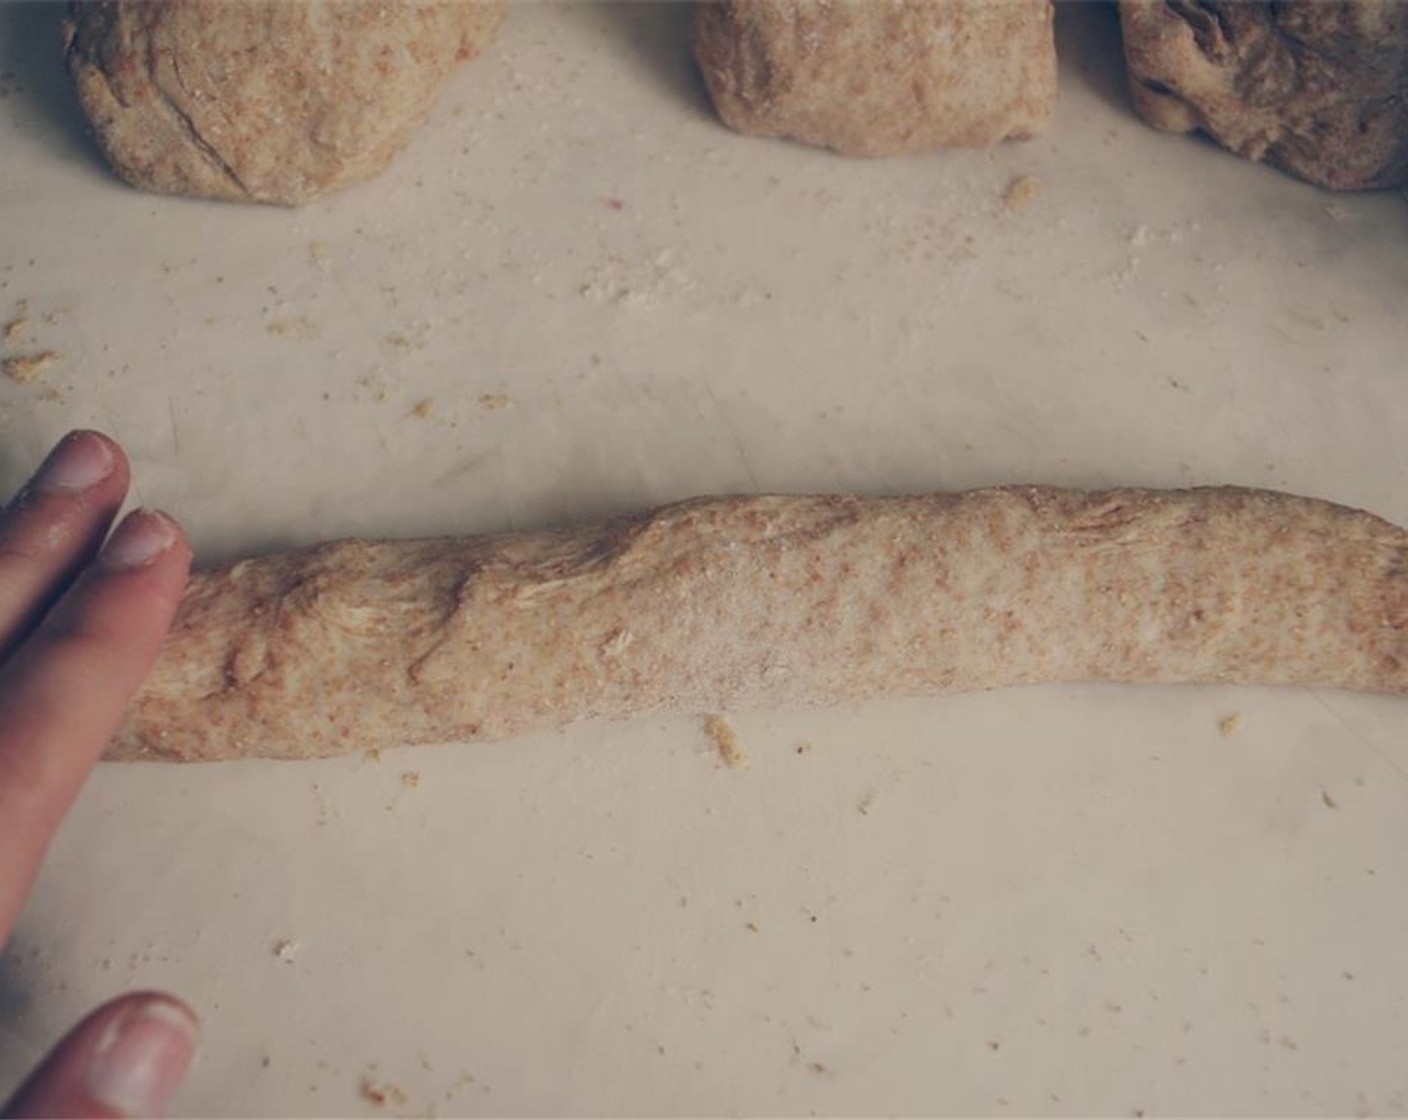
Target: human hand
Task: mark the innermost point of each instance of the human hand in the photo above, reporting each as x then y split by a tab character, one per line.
80	625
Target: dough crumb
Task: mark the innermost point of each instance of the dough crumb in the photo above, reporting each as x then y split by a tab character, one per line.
375	385
726	740
495	401
298	326
372	754
380	1093
1020	192
401	340
411	779
24	368
1230	725
423	408
287	950
17	327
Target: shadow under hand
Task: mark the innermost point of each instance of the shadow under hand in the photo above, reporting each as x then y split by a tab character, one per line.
16	465
16	996
657	36
32	66
1089	45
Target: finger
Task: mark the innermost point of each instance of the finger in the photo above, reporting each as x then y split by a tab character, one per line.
63	693
125	1059
54	526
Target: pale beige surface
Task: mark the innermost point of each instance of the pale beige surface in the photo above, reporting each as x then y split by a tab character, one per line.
264	100
767	603
879	79
611	301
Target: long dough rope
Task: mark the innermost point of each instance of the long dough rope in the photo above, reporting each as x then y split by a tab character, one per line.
733	603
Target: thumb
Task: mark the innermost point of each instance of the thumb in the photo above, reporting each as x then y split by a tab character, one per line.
124	1060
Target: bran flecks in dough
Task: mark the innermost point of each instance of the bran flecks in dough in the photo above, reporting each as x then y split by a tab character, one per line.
770	602
873	79
263	100
1317	89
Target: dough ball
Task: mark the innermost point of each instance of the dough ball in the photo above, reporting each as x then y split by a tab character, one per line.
1314	88
868	78
263	100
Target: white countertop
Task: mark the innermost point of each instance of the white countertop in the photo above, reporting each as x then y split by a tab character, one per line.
1058	900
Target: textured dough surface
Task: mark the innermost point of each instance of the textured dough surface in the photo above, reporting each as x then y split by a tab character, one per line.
263	100
1317	89
871	78
771	602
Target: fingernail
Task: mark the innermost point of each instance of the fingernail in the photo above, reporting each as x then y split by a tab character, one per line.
141	1057
143	536
81	460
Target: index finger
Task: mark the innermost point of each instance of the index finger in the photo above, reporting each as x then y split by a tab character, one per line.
63	693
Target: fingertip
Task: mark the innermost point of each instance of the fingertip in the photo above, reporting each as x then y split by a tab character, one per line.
125	1059
141	538
141	1055
169	1008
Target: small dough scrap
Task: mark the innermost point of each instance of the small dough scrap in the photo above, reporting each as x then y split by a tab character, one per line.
25	368
872	78
726	742
263	100
1317	89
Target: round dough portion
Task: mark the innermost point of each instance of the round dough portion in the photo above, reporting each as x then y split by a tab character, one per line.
1319	90
867	78
263	100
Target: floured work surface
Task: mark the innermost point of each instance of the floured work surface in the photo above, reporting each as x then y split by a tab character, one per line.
576	294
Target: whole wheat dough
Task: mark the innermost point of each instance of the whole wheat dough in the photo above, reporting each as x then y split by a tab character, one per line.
733	603
868	78
263	100
1317	89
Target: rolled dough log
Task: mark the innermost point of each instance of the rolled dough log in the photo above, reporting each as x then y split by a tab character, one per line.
871	79
263	100
734	603
1315	88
